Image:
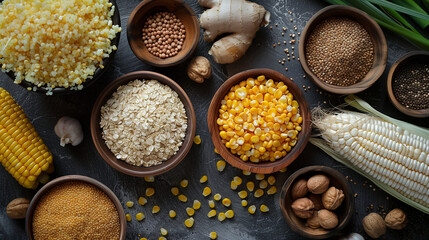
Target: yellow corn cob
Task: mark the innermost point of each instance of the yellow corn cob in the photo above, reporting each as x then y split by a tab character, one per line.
22	151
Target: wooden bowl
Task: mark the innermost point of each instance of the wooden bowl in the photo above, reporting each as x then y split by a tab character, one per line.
262	167
378	40
116	20
149	7
72	178
344	212
415	56
122	166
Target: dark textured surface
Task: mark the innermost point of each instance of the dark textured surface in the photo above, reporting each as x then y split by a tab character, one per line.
44	111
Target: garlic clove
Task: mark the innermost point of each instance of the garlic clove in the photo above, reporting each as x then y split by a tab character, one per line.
69	130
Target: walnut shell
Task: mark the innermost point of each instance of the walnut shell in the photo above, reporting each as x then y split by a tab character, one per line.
17	208
396	219
313	222
299	189
374	225
303	207
327	219
199	69
317	201
318	184
332	198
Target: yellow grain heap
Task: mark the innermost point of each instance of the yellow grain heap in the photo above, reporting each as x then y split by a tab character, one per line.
54	43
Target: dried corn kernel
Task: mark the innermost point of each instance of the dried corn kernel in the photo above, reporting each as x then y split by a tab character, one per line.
203	179
226	202
233	185
229	214
156	209
283	170
130	204
207	191
215	150
250	186
258	193
184	183
162	238
142	201
211	214
196	205
182	198
175	191
264	208
263	184
140	216
197	139
242	194
217	197
189	222
150	192
164	231
272	190
271	180
149	179
172	213
220	165
244	202
128	217
143	238
190	211
259	176
237	180
213	235
221	216
252	209
211	204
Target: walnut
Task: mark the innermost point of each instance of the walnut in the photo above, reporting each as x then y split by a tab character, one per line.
374	225
299	189
332	198
17	208
327	219
313	222
318	184
317	201
199	69
303	207
396	219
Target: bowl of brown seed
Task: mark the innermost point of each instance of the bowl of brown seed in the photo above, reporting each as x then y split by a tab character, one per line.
163	33
408	84
343	50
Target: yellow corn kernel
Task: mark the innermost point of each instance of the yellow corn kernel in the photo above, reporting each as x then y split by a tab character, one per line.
244	202
142	201
272	190
149	179
283	170
182	198
196	205
140	216
130	204
263	184
242	194
156	209
211	204
143	238
246	173
175	191
254	139
226	202
203	179
264	208
258	193
150	192
189	222
184	183
215	150
250	186
229	214
252	209
207	191
259	176
271	180
172	214
237	180
233	185
220	165
162	238
217	197
197	139
223	135
128	217
190	211
213	235
211	213
221	216
164	231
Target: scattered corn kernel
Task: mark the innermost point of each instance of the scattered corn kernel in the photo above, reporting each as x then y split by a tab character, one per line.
196	205
143	238
264	208
220	165
283	170
142	201
271	180
162	238
207	191
247	173
263	184
149	179
213	235
226	202
237	180
258	193
233	185
211	204
172	213
250	186
215	150
156	209
244	202
164	232
252	209
184	183
197	139
221	216
189	222
242	194
259	176
203	179
128	217
272	190
130	204
190	211
229	214
212	213
217	197
175	191
150	192
140	216
182	198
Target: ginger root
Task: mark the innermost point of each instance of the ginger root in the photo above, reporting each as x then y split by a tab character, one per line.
240	18
199	69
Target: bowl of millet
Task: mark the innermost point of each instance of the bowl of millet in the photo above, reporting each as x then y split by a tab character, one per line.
259	121
61	56
163	33
143	124
343	50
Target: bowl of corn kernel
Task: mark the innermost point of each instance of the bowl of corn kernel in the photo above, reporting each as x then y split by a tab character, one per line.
259	121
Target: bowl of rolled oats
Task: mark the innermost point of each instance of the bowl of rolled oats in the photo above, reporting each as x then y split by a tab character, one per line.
143	124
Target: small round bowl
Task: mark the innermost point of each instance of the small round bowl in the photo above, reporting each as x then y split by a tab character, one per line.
149	7
72	178
376	34
122	166
415	56
262	167
116	20
344	212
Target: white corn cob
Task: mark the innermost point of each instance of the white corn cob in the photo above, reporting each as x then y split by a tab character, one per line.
385	151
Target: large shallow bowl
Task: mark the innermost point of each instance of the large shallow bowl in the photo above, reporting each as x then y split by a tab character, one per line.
377	37
149	7
116	20
344	212
122	166
72	178
262	167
